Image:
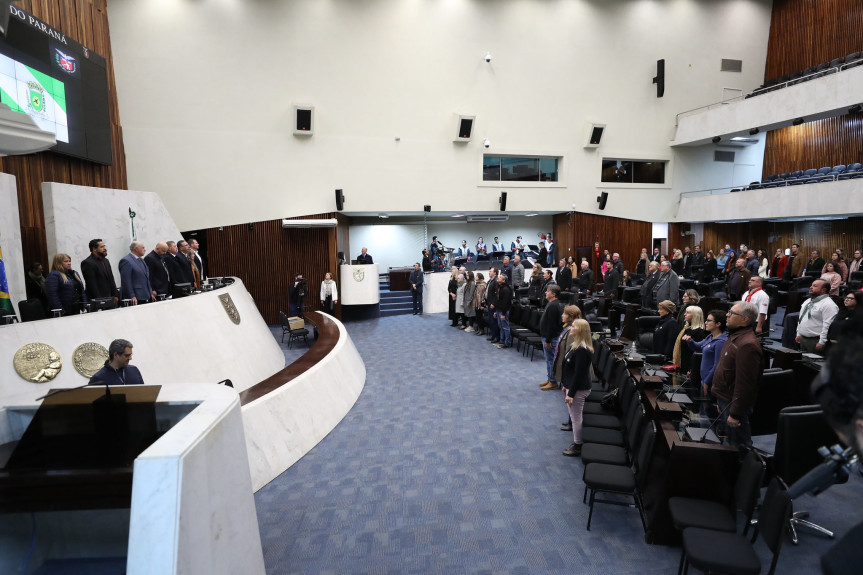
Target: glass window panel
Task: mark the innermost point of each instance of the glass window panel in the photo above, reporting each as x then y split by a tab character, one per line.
491	169
519	169
616	171
548	169
649	172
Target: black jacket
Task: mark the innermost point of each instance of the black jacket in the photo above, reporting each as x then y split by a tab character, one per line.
158	273
504	298
585	280
665	335
563	277
551	322
576	370
99	280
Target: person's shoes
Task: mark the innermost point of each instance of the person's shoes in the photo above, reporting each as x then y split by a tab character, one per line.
566	426
461	327
489	338
415	313
495	340
508	344
499	345
573	450
453	325
469	329
544	383
549	385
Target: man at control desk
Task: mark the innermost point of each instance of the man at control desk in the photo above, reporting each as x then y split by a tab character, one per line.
364	258
735	381
117	370
97	273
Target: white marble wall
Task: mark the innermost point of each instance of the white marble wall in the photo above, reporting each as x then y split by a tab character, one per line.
76	214
819	98
189	340
813	200
286	423
10	239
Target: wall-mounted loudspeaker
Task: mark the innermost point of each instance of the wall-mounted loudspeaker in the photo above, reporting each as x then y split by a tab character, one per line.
659	80
427	208
602	199
594	135
340	200
502	201
304	120
465	128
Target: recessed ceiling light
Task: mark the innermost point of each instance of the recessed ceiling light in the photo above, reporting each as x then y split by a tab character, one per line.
531	214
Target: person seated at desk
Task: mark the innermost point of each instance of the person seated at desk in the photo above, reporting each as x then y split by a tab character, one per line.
693	327
665	331
364	258
117	370
710	347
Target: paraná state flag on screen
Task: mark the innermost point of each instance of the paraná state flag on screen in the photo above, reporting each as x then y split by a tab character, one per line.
5	302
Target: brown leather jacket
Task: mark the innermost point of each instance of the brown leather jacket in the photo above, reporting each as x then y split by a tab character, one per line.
738	372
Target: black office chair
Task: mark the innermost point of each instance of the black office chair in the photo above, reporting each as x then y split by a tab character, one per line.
645	326
801	430
789	330
775	392
31	310
688	512
721	552
621	480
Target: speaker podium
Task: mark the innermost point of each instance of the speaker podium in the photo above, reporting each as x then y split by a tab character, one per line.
360	285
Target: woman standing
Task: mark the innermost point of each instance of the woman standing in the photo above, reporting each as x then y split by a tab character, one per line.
459	302
606	265
64	287
709	271
452	289
329	294
832	275
721	260
710	347
665	331
468	297
534	287
693	328
690	297
677	262
479	303
763	264
576	379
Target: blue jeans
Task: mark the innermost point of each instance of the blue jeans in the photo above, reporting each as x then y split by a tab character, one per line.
549	357
505	335
493	325
737	436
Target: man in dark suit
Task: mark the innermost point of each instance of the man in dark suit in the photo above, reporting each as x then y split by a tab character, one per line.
194	256
184	259
365	257
738	280
135	276
666	286
647	286
179	271
97	273
416	280
585	278
160	281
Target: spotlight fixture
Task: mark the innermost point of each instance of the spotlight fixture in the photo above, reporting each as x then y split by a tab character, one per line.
487	57
753	131
716	139
797	121
855	109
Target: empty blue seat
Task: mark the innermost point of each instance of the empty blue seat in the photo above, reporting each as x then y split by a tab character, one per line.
797	174
840	168
847	174
824	170
855	166
772	177
853	59
785	176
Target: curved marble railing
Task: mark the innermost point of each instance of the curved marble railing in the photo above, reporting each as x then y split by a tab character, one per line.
287	414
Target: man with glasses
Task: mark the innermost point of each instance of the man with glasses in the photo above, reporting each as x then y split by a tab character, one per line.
117	370
735	380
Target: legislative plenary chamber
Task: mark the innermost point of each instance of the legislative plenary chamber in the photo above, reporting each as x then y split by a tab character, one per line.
278	281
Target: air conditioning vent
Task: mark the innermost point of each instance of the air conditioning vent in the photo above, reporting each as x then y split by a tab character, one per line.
731	65
723	156
497	218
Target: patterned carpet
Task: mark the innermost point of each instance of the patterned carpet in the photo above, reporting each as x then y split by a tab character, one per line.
450	462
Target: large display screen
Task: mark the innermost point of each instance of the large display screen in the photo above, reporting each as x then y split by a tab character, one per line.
59	83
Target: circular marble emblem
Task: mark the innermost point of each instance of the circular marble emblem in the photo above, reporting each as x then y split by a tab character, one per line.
37	362
89	358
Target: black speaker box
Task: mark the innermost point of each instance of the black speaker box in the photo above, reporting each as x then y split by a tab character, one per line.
602	199
340	200
503	201
659	80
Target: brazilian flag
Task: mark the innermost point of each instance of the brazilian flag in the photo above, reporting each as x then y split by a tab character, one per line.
5	302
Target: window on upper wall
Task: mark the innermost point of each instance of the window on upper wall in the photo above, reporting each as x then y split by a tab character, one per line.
519	169
633	171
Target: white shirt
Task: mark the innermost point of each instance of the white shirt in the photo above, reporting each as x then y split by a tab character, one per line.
815	319
759	298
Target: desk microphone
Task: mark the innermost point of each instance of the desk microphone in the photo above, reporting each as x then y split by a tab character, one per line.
64	390
714	422
835	468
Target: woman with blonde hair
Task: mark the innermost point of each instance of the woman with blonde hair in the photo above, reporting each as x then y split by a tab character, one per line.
64	287
570	314
693	326
576	379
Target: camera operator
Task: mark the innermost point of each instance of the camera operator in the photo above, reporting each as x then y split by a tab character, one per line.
296	295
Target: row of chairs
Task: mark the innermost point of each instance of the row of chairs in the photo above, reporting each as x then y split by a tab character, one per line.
524	324
852	60
809	176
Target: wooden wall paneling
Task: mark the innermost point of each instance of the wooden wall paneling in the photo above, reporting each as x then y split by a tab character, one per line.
624	236
805	33
85	21
827	142
267	256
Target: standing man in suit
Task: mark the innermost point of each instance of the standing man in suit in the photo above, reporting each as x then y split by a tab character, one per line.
160	279
97	273
195	257
184	257
365	258
135	276
647	286
667	286
416	280
179	270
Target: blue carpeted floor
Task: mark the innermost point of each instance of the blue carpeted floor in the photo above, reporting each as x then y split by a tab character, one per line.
450	462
